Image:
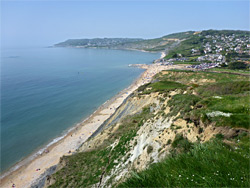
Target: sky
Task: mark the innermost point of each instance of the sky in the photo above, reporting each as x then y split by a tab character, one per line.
46	22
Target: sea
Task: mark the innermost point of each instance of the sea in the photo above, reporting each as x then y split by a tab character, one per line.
46	91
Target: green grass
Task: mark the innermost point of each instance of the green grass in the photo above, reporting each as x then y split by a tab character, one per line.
224	88
186	62
187	77
230	70
237	106
166	86
232	90
161	86
181	103
184	48
181	143
212	164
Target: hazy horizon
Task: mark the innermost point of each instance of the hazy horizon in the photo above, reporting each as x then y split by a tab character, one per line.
44	23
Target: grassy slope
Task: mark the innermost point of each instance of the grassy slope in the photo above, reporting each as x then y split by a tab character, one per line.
195	41
230	70
226	93
213	164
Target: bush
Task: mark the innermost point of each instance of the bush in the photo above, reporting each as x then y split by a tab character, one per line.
150	149
181	143
237	65
219	136
169	141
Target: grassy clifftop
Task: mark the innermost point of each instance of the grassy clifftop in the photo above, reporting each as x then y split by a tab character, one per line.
185	129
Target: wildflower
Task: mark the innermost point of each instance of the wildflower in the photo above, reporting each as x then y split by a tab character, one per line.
193	174
192	180
203	178
179	175
187	178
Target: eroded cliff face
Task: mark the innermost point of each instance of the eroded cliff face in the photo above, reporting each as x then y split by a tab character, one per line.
153	138
142	131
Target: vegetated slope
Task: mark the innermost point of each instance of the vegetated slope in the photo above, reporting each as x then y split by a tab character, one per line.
180	130
164	43
96	42
158	44
198	40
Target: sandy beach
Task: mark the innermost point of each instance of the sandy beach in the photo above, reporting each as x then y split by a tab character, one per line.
27	174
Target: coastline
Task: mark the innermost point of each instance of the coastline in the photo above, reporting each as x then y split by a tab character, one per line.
25	175
24	163
130	49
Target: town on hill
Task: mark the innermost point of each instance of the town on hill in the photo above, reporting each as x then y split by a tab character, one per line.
200	50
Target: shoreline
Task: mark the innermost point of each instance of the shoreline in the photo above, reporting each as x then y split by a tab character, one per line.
26	174
130	49
70	131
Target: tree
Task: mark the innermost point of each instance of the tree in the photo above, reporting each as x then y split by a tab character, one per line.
175	55
237	65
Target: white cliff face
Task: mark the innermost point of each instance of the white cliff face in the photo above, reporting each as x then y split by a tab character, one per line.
148	132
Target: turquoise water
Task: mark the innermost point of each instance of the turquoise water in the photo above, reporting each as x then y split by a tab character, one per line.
45	91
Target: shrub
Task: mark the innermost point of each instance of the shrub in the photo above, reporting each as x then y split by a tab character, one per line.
169	141
149	149
219	136
237	65
181	143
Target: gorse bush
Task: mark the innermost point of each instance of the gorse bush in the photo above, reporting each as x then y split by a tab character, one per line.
181	143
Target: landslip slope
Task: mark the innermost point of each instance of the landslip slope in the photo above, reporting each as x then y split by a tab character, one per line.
182	129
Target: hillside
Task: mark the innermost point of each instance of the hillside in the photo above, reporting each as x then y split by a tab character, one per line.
184	129
96	42
213	42
158	44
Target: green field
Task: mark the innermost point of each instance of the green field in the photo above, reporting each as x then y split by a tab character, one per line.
213	164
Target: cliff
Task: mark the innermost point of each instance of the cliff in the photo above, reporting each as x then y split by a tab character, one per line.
182	129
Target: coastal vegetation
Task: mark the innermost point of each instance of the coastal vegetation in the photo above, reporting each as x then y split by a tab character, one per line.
212	164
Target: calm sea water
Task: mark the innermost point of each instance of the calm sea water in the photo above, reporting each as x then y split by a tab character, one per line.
45	91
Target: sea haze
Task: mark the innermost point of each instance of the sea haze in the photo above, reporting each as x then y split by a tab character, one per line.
45	91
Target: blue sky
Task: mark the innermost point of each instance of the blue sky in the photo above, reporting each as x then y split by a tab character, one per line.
48	22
